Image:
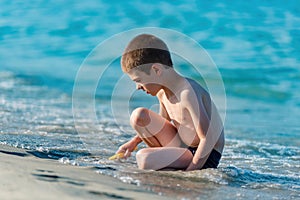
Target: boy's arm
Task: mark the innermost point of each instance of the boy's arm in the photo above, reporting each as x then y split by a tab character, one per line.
208	130
137	139
129	146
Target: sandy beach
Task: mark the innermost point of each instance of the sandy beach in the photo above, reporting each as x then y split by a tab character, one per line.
23	175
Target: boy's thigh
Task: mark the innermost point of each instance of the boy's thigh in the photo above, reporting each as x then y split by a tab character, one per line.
160	128
164	157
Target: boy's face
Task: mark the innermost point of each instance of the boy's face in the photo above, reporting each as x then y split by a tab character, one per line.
145	82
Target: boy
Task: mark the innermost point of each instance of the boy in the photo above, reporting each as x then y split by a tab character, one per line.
187	134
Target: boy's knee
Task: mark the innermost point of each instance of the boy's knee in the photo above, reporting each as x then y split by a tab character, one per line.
140	117
143	159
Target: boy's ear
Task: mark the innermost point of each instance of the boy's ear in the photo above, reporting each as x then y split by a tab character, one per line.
157	68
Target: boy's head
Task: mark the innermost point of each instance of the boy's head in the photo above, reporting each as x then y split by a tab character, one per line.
143	51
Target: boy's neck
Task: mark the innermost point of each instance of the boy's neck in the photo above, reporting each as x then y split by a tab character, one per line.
173	83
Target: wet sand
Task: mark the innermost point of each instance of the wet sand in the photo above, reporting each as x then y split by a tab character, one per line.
24	175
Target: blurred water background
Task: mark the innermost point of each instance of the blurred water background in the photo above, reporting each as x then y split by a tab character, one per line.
254	44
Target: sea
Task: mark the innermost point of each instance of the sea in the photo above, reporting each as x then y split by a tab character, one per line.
64	96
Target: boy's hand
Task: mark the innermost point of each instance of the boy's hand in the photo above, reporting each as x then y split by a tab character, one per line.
127	148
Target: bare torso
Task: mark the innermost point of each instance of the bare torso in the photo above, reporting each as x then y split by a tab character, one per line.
181	117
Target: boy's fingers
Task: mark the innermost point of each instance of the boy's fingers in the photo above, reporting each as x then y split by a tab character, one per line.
121	150
122	153
127	153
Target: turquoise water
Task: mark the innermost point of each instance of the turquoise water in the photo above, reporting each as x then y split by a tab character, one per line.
255	45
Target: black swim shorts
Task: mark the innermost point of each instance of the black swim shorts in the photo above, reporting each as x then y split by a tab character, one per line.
212	160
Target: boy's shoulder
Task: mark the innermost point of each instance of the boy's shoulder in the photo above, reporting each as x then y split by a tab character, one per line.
190	91
193	94
193	88
195	85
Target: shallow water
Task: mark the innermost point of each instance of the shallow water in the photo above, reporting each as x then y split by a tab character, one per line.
256	49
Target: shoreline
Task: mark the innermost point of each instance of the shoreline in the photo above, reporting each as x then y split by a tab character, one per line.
25	176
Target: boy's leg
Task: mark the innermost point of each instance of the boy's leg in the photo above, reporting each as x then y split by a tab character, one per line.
162	138
153	129
164	158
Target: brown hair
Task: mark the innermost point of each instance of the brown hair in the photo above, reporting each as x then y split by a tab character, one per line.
143	50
